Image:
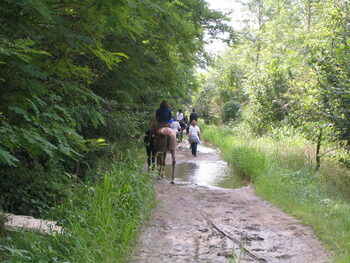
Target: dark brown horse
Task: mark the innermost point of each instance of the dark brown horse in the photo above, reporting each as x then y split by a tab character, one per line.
163	144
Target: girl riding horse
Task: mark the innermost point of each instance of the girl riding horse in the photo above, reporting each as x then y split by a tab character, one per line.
165	138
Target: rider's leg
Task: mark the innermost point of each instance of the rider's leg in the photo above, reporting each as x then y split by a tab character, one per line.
194	148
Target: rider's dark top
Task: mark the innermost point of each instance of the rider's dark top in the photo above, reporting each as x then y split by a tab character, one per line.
193	116
163	115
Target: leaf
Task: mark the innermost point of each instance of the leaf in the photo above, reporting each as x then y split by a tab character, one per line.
7	158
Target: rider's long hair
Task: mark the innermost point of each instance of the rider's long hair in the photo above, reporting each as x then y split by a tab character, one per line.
164	104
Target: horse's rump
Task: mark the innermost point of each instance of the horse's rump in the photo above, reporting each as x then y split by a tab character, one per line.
163	143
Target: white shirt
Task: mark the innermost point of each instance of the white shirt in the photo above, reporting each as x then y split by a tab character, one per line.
175	126
194	130
179	116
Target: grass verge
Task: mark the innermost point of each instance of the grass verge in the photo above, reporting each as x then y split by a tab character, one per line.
100	221
282	172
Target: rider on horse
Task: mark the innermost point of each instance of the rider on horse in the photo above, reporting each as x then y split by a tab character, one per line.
165	138
181	119
163	116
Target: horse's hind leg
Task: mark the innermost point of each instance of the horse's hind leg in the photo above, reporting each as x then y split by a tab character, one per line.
163	164
173	156
159	164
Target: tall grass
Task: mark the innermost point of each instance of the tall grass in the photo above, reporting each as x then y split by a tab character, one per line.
100	222
282	171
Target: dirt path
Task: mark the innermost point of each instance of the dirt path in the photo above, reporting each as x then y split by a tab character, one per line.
201	224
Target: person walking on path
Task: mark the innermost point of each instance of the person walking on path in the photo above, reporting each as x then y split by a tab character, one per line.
194	137
193	116
175	125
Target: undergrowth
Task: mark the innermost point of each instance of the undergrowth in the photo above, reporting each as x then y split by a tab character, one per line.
100	221
283	172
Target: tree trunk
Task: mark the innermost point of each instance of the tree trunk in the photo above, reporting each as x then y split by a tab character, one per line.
260	24
318	148
309	12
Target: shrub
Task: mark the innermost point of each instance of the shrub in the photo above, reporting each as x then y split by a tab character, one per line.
100	221
230	111
33	189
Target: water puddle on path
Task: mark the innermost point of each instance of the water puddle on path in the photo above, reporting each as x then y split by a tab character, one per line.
207	172
204	148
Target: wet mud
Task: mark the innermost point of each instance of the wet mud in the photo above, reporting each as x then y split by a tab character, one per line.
199	219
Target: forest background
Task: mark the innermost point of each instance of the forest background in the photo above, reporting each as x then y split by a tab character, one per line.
80	81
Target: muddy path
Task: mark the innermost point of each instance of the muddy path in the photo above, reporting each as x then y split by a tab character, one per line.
195	222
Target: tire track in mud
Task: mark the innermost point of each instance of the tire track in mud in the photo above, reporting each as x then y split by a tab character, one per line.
214	225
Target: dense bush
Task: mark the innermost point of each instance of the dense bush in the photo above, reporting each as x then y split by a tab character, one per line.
230	111
33	190
100	221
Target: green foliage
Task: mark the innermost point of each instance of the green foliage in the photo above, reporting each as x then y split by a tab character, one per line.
290	66
100	221
230	111
223	83
33	189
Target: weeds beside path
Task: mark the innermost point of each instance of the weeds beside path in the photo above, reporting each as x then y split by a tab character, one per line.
100	221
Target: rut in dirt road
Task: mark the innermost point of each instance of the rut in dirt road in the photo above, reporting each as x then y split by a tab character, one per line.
197	223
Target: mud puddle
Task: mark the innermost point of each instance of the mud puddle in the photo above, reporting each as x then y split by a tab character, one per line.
196	221
203	171
211	174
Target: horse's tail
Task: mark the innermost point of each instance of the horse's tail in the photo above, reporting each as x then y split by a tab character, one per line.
168	141
160	142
